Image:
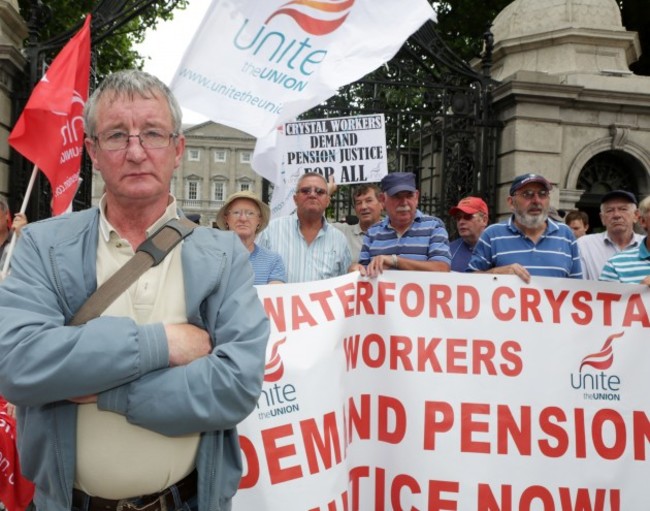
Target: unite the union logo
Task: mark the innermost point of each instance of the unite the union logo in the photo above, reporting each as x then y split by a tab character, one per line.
316	17
274	368
599	385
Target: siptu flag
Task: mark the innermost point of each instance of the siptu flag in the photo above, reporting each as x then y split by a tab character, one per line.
253	65
50	130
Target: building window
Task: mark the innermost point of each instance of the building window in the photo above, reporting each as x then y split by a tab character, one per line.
244	187
218	191
245	157
193	155
192	190
219	155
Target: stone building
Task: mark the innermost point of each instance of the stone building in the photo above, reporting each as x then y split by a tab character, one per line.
13	31
571	109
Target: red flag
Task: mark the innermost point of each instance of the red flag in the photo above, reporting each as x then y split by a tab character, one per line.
16	492
50	130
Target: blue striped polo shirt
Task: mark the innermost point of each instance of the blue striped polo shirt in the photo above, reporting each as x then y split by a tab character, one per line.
425	240
555	254
630	266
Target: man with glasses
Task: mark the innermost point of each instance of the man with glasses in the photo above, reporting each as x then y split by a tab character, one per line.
529	242
471	216
137	408
618	214
311	248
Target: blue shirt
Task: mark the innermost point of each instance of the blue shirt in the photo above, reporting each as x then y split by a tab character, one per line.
425	240
555	254
630	266
267	266
461	253
326	256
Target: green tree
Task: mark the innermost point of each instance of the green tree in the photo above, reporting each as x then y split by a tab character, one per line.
462	24
114	34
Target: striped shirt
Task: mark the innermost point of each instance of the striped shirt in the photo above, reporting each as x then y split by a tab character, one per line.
596	249
630	266
425	240
555	254
326	256
267	266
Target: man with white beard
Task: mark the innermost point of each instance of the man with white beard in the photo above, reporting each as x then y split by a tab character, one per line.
529	242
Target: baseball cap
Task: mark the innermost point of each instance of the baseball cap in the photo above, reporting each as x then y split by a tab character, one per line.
396	182
470	205
618	194
525	179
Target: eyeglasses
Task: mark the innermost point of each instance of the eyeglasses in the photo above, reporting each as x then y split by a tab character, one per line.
243	212
308	190
530	194
117	140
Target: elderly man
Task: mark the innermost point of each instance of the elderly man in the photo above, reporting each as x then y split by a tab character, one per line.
471	215
137	408
632	266
368	208
528	243
310	247
406	239
618	214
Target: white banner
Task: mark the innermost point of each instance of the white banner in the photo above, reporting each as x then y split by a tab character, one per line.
351	150
253	65
448	391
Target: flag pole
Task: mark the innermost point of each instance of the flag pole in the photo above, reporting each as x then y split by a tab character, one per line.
23	208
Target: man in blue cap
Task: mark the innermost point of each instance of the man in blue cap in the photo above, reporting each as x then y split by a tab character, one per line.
618	214
529	242
406	239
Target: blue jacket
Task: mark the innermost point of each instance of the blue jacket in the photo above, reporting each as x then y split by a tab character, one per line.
43	362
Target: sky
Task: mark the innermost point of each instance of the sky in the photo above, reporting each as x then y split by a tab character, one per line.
164	47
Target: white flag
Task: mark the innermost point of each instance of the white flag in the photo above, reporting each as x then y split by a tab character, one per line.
253	65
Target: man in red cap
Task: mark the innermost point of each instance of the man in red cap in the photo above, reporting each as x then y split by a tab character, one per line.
471	215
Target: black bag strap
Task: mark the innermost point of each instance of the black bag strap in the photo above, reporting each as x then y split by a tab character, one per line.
150	253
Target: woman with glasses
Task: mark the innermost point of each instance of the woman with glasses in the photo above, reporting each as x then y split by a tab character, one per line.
246	214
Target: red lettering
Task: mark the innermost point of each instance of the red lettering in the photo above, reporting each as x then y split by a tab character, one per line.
359	423
502	315
300	314
483	352
276	315
321	448
439	297
468	302
364	293
554	431
385	406
487	501
275	453
456	352
580	302
252	475
608	299
635	311
530	300
346	296
618	448
641	434
518	431
400	349
321	297
556	302
536	492
384	295
510	352
401	481
469	426
373	360
436	502
438	418
415	310
427	354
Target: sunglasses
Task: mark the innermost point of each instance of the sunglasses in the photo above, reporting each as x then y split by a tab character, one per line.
308	190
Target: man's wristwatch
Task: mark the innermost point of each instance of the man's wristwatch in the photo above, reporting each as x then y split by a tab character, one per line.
394	261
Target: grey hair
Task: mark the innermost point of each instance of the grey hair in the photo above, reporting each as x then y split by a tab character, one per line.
310	174
130	83
4	205
644	206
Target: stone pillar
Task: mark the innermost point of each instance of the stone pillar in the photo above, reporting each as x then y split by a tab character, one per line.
13	31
